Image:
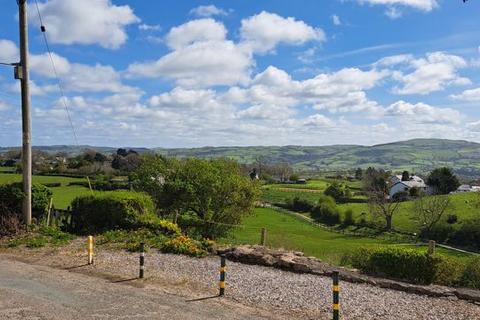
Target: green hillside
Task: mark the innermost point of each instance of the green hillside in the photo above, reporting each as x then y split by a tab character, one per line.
419	155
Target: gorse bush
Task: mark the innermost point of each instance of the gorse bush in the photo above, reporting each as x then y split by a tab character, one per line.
406	264
117	210
184	245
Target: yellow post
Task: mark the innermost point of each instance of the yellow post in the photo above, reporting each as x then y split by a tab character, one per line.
90	249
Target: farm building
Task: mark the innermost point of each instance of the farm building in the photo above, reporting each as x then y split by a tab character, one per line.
397	185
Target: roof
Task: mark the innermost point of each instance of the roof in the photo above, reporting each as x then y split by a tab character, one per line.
412	184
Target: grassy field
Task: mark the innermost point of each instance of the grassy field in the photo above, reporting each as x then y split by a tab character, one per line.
62	196
288	232
465	205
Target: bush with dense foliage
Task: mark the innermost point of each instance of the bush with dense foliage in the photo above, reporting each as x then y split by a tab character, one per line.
326	211
299	205
214	191
443	181
468	235
117	210
406	264
184	245
338	191
348	219
11	197
471	275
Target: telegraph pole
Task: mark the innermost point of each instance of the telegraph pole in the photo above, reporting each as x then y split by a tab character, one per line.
23	74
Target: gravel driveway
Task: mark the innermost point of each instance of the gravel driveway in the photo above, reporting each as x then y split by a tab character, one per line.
300	296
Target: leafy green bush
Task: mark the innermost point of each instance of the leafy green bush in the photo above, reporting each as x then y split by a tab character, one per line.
440	232
184	245
299	205
338	191
326	211
468	235
117	210
471	275
348	220
406	264
11	197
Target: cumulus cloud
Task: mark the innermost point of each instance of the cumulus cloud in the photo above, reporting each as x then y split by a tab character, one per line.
86	22
472	95
432	73
4	106
195	31
264	31
208	11
8	51
318	120
423	113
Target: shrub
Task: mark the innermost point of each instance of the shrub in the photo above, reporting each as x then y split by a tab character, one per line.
11	196
406	264
348	220
117	210
471	274
452	219
184	245
338	191
300	205
326	212
468	235
440	232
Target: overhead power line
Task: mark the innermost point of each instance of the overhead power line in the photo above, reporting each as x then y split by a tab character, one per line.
59	82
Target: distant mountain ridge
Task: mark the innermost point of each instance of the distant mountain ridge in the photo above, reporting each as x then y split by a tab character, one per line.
417	155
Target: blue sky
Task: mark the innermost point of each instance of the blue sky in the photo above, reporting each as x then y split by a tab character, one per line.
277	72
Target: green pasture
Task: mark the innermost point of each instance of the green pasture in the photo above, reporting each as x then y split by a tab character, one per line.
289	232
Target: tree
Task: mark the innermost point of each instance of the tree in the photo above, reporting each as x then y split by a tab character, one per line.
443	181
122	152
359	174
430	210
381	205
294	177
405	176
211	194
338	191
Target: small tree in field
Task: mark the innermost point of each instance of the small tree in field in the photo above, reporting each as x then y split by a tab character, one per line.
381	205
430	210
443	181
212	194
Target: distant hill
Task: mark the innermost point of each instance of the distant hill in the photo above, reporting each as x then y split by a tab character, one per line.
418	155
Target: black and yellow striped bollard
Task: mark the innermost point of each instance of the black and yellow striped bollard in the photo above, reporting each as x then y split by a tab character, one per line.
336	297
222	275
142	260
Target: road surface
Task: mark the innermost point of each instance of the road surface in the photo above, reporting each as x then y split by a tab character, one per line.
29	291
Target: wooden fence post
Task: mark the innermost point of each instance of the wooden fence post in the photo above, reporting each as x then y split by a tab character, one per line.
263	238
431	247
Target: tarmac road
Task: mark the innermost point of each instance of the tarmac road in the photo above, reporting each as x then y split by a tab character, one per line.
29	291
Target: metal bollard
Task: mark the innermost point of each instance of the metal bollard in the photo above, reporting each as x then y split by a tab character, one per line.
336	297
90	249
142	260
222	275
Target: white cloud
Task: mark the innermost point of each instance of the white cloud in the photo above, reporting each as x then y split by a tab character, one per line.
149	27
318	120
468	95
422	113
264	31
8	51
336	20
4	106
195	31
425	5
86	22
432	73
208	11
393	13
201	64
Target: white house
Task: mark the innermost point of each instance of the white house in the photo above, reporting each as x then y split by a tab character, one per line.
467	188
397	185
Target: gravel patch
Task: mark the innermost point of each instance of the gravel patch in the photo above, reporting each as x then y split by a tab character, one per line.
308	295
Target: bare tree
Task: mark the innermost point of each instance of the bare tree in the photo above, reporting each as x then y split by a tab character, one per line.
381	205
429	210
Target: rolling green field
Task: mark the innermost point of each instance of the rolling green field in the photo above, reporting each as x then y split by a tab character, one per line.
465	205
62	196
289	232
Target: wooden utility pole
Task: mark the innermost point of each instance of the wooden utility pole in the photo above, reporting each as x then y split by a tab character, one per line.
26	122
